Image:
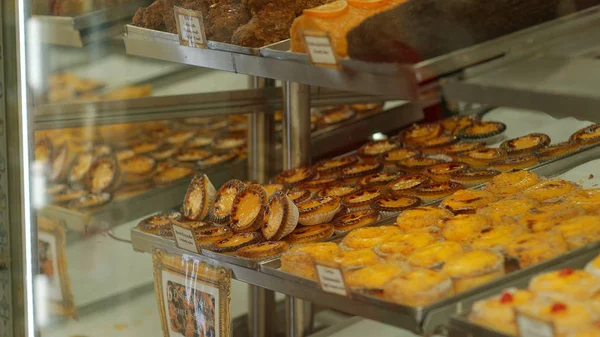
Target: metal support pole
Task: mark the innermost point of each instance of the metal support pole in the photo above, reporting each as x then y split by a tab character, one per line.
296	153
261	150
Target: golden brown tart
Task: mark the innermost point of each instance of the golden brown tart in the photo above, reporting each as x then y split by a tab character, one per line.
418	288
103	175
588	199
371	279
454	124
417	164
137	169
272	188
170	174
355	172
199	198
221	212
436	191
514	163
370	151
588	135
488	132
399	247
296	176
419	133
391	205
464	228
156	222
526	144
547	216
299	196
300	260
557	151
368	237
467	201
364	108
509	183
318	210
263	250
180	137
101	150
482	157
379	180
533	248
67	195
391	158
308	234
339	191
423	219
146	147
281	217
454	150
360	199
248	209
316	184
79	167
473	177
217	159
434	145
474	268
337	115
550	190
353	220
91	201
407	184
191	155
206	236
505	211
164	152
441	172
124	154
199	141
332	167
435	255
229	144
235	242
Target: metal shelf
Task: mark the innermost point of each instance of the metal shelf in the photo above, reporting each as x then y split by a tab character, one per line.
81	30
560	76
425	320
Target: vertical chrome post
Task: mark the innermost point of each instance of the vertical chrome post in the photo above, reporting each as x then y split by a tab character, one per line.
261	150
296	153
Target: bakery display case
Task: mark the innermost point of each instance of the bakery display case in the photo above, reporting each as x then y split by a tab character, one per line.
168	166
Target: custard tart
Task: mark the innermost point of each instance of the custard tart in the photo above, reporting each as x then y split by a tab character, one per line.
146	147
91	201
419	133
588	199
199	198
588	135
353	220
337	115
441	172
502	209
281	217
316	184
434	145
455	150
349	260
514	163
164	152
58	167
365	108
137	169
360	199
206	236
379	180
192	155
467	201
435	255
217	159
67	195
423	219
407	184
228	144
368	237
391	158
103	175
199	141
124	154
248	209
333	167
272	188
263	250
473	177
154	223
169	174
482	157
318	210
465	227
418	288
299	260
235	242
338	191
547	216
417	164
353	173
436	191
533	248
474	268
308	234
487	132
296	176
43	150
370	151
79	168
580	231
556	151
299	196
498	312
509	183
392	205
454	124
497	237
374	277
526	144
180	137
578	285
101	150
221	212
550	190
399	247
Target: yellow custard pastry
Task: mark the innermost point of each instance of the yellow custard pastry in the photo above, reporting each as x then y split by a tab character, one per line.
378	180
435	255
399	247
532	248
565	284
360	199
206	236
580	231
467	201
315	185
192	155
588	199
235	242
248	209
526	144
557	151
417	164
299	260
339	191
367	237
262	250
565	316
407	184
307	234
418	288
498	312
465	227
370	151
272	188
454	124
373	277
391	158
455	150
103	175
333	167
473	177
498	237
295	176
548	215
550	190
419	133
435	191
434	145
354	259
318	210
506	211
223	203
354	220
510	183
441	172
392	205
423	219
482	157
514	163
199	198
488	132
588	135
299	196
281	217
355	172
474	268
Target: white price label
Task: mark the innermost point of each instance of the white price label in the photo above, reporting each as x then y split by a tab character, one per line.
319	49
532	327
185	238
331	280
190	28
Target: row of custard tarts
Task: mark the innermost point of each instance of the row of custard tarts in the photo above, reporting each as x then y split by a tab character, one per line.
567	298
466	242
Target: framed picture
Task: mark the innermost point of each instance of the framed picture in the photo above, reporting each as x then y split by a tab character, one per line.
53	267
193	296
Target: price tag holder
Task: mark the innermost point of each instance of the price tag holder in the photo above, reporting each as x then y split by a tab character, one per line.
331	278
320	49
529	326
190	28
184	238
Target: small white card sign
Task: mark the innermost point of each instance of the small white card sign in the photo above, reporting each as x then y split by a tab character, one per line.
532	327
320	50
190	27
331	279
184	238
